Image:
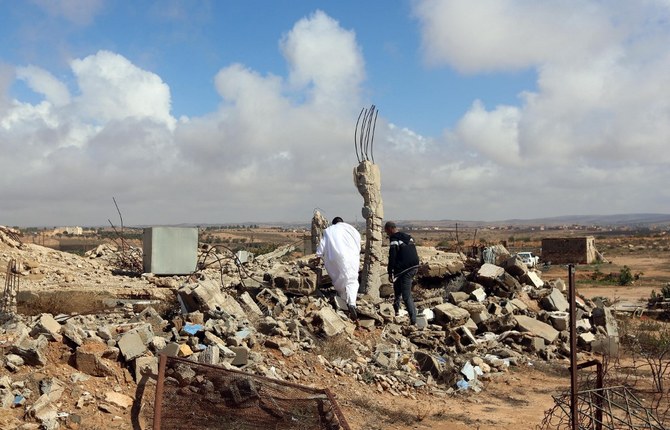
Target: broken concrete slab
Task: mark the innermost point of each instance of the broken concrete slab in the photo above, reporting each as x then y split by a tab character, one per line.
47	325
250	304
532	279
456	297
515	266
429	363
537	328
207	295
331	323
488	273
32	351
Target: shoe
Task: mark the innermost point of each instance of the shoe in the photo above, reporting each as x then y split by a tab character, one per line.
352	313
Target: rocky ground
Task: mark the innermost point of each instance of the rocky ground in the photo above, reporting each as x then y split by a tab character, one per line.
82	349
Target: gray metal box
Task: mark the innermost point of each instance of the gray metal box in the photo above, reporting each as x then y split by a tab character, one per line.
170	250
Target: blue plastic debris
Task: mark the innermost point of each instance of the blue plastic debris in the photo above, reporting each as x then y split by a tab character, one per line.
192	329
462	384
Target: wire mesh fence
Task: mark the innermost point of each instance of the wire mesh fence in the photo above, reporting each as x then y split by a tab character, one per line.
192	395
607	408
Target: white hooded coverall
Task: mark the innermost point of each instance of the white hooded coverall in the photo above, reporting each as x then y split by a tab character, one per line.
340	248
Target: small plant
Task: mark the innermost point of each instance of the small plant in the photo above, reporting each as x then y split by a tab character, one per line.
625	276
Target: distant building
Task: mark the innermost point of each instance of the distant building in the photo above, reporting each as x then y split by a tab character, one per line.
74	231
575	250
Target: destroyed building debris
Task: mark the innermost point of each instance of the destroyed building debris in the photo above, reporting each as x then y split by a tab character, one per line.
475	320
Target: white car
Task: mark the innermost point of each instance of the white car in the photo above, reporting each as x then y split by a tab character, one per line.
528	258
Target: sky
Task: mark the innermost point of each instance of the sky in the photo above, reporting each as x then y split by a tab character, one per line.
244	111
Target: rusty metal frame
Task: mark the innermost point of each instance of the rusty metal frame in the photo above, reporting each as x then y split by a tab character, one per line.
160	384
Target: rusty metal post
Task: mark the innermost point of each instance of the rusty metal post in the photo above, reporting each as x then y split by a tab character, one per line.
599	389
158	401
574	411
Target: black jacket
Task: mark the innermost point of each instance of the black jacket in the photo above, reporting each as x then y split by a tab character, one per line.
402	253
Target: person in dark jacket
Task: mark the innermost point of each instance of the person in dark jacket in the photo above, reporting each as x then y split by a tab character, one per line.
402	266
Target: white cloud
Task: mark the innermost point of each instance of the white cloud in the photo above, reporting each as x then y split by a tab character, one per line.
79	12
113	88
43	82
493	134
324	57
511	34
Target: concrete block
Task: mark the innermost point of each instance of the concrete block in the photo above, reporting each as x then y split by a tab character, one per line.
519	304
210	355
535	344
479	295
171	349
170	250
249	303
32	351
555	301
585	339
241	356
559	320
370	323
605	345
146	367
132	345
451	314
73	332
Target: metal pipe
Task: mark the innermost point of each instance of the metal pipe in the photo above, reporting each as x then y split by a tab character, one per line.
573	349
158	401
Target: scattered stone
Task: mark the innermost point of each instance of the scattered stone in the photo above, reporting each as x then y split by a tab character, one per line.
90	359
118	399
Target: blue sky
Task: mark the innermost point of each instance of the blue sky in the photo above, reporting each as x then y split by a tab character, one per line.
233	111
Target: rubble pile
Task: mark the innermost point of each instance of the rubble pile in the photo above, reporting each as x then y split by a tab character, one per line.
475	320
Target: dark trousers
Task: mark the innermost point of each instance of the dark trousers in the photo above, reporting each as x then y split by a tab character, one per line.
402	288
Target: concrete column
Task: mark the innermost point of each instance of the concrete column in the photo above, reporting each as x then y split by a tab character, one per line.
367	179
319	224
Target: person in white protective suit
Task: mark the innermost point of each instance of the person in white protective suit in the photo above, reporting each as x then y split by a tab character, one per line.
340	249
